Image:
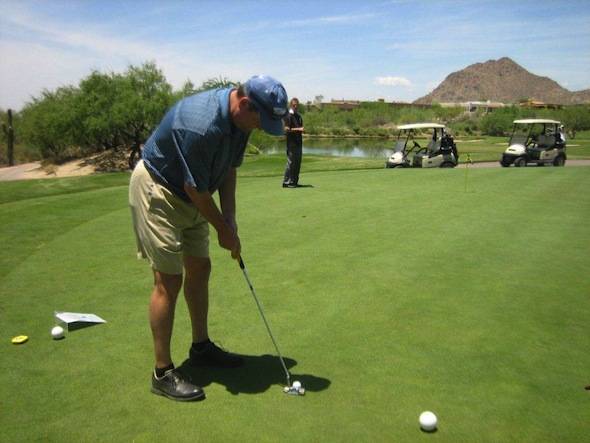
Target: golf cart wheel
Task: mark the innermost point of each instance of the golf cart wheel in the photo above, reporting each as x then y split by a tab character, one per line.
447	165
559	161
520	162
505	164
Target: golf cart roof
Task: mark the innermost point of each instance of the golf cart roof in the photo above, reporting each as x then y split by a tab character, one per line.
529	121
420	126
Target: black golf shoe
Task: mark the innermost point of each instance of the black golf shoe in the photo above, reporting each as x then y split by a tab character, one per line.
176	386
209	354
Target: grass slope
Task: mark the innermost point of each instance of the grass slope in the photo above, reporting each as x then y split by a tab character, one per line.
389	292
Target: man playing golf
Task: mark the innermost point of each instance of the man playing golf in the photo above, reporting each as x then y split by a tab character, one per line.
193	153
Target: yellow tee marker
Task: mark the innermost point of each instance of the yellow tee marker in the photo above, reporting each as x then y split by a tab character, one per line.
19	339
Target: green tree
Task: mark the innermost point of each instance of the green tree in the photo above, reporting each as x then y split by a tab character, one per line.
145	97
48	122
100	128
188	88
121	110
576	118
106	111
217	83
498	122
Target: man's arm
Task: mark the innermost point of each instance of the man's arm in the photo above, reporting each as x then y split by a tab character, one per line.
227	198
226	234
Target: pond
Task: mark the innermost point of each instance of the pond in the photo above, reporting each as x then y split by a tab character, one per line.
341	147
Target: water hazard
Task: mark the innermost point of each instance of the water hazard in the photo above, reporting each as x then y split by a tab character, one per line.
342	147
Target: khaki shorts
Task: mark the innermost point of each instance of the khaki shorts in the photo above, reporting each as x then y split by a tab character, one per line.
166	227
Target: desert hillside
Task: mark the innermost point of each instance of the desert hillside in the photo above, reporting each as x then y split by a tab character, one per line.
504	81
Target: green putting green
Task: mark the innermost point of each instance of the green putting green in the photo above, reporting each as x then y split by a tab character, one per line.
390	292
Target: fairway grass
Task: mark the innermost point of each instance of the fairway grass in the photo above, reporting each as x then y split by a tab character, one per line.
390	292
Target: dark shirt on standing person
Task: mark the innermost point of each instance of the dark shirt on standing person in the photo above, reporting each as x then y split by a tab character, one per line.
294	120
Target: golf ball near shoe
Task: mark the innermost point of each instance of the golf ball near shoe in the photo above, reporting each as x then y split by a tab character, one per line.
296	385
428	421
57	332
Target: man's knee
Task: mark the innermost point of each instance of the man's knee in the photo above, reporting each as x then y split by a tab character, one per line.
198	268
167	284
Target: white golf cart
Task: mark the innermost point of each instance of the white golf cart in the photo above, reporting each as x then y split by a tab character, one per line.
535	140
441	150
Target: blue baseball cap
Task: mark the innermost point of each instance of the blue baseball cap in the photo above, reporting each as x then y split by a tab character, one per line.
270	98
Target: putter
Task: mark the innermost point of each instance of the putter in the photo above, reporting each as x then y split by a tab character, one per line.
292	389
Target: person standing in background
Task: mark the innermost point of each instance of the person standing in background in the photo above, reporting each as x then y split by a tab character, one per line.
561	136
294	132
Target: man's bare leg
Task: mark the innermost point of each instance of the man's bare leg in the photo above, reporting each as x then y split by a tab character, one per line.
165	381
203	352
196	294
162	307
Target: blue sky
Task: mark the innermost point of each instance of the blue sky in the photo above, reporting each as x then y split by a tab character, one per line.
396	50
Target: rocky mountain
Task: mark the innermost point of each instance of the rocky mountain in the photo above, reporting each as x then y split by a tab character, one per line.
581	96
504	81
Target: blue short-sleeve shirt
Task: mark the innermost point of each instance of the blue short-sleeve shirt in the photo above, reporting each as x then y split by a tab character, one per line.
196	143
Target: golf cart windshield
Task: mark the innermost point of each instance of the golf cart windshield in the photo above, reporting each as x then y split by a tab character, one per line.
517	139
521	134
400	145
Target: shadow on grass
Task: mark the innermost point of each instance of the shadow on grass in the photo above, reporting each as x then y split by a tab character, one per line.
424	431
258	374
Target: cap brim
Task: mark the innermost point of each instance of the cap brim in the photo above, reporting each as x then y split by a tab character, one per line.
271	125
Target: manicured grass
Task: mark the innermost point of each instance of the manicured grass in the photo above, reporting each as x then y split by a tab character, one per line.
274	164
491	148
21	190
389	291
579	147
481	149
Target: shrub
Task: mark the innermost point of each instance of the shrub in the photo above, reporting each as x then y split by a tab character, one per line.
49	122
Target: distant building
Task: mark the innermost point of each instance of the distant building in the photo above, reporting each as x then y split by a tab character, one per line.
530	103
343	105
409	105
474	106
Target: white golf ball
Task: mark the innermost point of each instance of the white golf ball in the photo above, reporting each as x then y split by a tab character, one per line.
428	421
57	332
296	385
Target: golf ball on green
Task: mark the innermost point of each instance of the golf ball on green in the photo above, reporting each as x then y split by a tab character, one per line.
57	332
428	421
296	385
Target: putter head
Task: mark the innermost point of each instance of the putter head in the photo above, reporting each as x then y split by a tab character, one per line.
295	389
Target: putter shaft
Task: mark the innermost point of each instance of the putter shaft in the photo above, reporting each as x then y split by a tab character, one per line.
243	267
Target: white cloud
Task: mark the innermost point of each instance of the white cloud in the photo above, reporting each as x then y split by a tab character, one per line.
393	81
75	36
333	19
35	67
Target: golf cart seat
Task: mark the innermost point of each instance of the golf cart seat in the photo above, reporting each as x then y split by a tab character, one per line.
545	141
433	148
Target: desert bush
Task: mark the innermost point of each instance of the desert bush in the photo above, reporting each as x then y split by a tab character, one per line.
499	122
106	110
576	119
48	123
